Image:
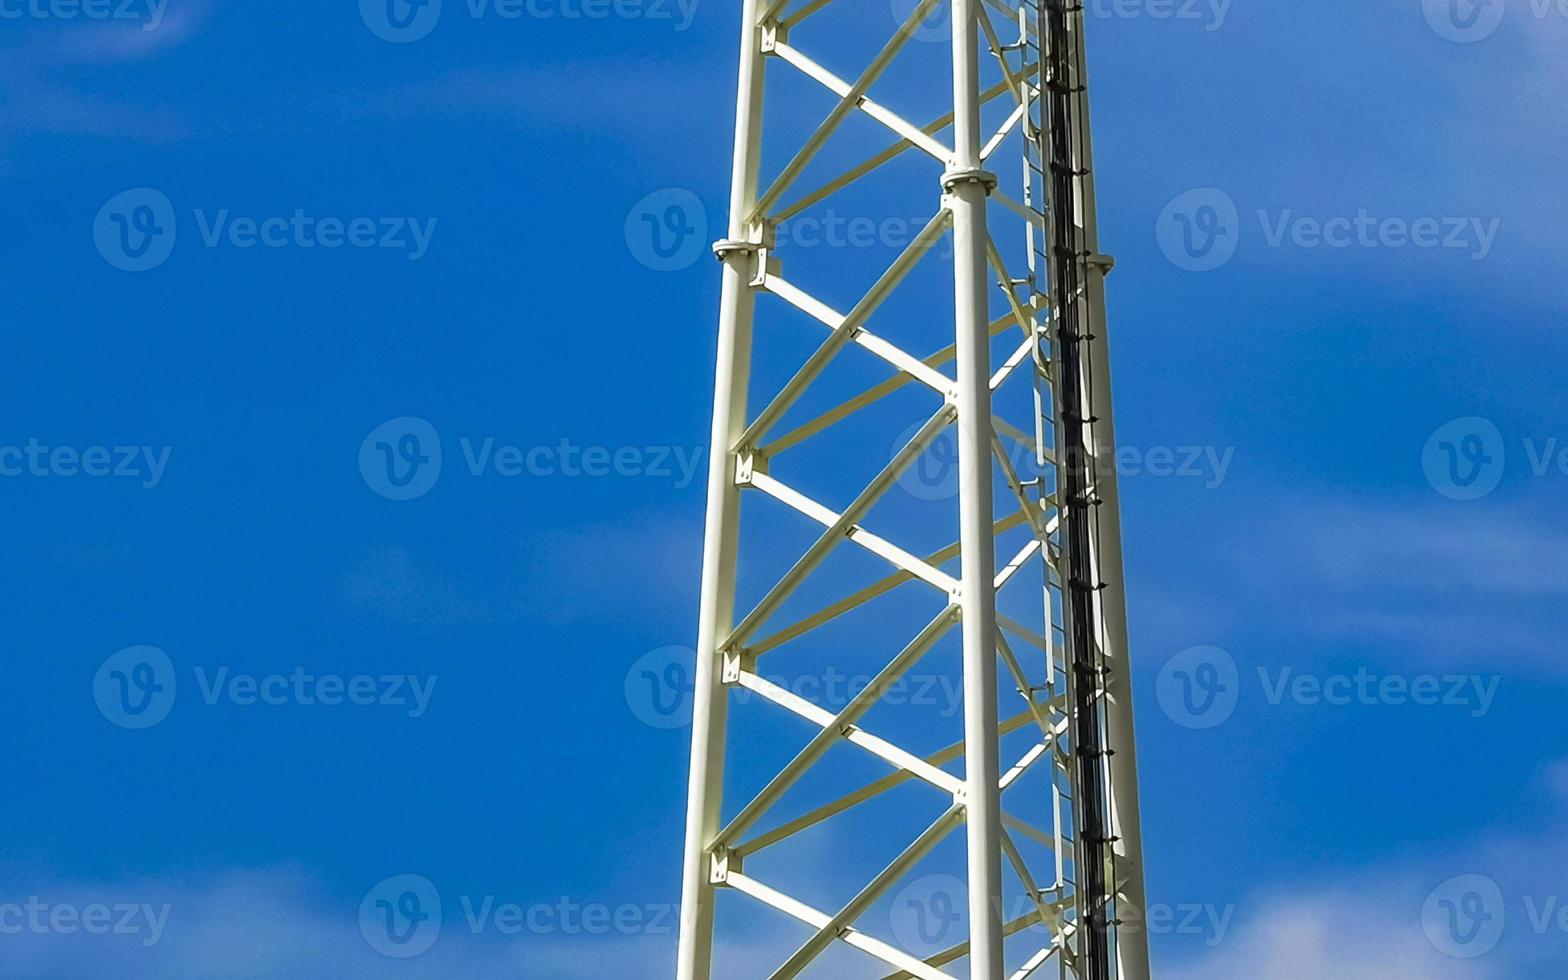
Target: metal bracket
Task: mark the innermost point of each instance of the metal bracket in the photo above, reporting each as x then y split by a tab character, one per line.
738	661
953	178
773	35
721	865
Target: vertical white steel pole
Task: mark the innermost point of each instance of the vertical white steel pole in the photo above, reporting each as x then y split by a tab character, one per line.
710	701
967	188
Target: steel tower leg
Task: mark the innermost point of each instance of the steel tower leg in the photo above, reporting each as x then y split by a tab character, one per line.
721	535
1132	948
967	188
1081	270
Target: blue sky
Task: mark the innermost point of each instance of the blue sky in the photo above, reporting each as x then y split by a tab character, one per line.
462	236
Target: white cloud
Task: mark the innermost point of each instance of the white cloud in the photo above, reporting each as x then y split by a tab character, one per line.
1368	925
1554	776
1468	585
1351	935
1443	550
281	925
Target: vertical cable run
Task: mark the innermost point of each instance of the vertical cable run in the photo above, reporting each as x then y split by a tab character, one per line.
1094	864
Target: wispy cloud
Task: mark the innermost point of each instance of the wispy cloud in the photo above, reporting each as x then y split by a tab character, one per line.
1465	583
1441	550
58	78
1382	923
1352	935
267	924
281	924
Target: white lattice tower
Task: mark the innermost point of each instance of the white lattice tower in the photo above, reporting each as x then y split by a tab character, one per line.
1036	806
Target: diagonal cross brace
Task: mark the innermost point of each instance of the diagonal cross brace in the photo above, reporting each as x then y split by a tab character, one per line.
853	321
878	886
830	538
846	105
825	739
